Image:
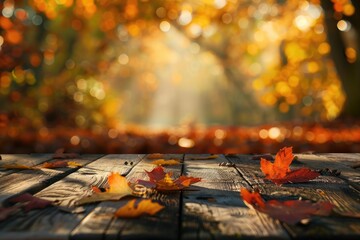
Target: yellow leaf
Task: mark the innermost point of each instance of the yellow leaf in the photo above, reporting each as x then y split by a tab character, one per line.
163	162
74	164
118	188
118	184
143	207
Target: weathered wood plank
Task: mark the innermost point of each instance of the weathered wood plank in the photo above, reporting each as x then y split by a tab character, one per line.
78	184
323	188
66	191
35	180
29	160
164	225
341	162
216	210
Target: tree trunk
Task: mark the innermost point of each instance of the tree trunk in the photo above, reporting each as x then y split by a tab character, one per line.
349	73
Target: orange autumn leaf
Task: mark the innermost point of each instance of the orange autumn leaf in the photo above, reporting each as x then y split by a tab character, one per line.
291	211
252	198
60	164
130	210
118	184
279	172
162	181
118	188
163	162
155	156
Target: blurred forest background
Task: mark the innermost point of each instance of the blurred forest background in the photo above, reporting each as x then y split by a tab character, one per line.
218	76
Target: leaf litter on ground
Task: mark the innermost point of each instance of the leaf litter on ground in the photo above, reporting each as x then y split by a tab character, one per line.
163	181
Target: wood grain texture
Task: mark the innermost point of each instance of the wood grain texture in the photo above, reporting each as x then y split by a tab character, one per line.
34	180
29	160
339	161
65	192
210	209
323	188
216	210
163	225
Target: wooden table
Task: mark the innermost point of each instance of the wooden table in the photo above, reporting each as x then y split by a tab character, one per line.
211	209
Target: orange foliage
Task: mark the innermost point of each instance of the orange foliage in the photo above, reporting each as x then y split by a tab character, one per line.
143	207
279	171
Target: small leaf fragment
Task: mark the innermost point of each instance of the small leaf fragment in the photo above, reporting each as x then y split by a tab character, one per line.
143	207
31	202
163	162
155	156
60	164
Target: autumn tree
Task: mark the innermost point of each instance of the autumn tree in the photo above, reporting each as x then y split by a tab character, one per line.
342	20
273	54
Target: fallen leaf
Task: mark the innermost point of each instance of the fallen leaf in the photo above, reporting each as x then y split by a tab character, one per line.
155	156
118	184
156	174
56	164
163	162
254	199
31	202
190	180
162	181
204	158
279	171
60	164
15	166
74	164
291	211
60	153
118	188
8	211
143	207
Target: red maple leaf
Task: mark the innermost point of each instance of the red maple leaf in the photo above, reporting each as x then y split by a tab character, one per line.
291	211
30	201
279	172
162	181
156	174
